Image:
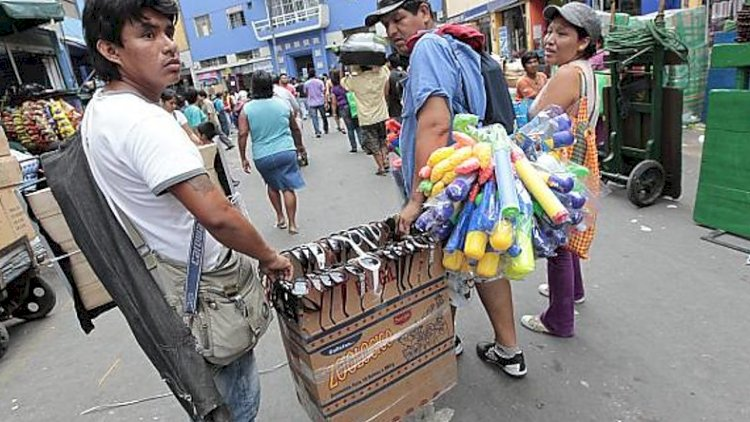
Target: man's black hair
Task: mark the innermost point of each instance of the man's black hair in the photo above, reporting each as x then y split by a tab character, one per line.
412	6
104	20
262	85
203	93
590	50
282	74
168	94
527	57
207	129
311	73
191	95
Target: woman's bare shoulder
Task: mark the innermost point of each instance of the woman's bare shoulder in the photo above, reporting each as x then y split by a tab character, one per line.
567	72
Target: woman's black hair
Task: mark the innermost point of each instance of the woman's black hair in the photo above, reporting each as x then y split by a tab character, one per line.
590	49
104	20
262	85
168	95
207	129
335	77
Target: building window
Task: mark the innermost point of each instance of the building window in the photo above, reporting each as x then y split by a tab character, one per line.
284	7
216	61
236	17
203	26
248	55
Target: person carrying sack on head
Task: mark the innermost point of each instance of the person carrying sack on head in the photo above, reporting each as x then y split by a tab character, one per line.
197	246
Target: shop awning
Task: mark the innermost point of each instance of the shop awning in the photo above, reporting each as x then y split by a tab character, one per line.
17	15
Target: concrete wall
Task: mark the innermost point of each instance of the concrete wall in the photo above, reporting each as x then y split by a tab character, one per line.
455	7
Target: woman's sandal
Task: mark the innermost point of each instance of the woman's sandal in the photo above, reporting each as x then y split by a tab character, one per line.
281	226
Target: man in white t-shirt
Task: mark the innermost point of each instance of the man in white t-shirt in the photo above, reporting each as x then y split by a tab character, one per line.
145	164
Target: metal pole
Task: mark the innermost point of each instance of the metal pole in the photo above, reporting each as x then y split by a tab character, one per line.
13	64
269	12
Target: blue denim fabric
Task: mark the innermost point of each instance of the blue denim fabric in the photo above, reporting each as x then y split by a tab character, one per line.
239	385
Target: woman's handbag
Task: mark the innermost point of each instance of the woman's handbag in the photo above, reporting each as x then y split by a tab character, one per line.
585	153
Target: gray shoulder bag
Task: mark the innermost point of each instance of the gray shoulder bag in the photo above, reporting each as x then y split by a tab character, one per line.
225	308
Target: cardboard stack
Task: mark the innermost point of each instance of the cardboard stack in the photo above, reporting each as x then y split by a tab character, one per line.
14	222
359	354
45	207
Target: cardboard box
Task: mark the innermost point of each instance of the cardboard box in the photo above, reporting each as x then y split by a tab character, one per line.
377	356
90	288
4	145
10	172
209	155
14	221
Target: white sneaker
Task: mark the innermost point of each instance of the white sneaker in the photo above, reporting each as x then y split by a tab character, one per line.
544	291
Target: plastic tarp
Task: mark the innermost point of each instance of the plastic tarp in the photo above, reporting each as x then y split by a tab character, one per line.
17	15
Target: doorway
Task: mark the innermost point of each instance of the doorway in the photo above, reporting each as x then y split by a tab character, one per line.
302	64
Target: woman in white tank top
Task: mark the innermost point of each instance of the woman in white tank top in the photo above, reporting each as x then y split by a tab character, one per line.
571	38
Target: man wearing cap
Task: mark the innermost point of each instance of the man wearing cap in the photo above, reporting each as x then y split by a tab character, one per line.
444	78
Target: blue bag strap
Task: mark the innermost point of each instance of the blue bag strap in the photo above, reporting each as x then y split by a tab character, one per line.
194	268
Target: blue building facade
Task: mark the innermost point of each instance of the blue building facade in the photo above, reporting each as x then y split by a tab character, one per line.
229	38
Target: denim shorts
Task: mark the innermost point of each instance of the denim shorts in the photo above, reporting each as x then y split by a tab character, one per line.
239	385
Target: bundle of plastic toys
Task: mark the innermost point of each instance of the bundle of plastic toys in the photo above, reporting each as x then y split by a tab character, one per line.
499	204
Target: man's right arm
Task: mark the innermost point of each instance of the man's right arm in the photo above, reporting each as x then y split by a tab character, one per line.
212	209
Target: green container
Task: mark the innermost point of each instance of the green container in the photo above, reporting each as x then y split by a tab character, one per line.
723	199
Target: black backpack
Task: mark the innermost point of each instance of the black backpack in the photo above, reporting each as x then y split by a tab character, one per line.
499	104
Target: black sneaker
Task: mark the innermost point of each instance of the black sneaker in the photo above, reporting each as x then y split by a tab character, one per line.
514	367
458	346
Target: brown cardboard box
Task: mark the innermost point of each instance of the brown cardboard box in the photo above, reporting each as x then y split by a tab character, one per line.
209	155
10	172
390	355
14	222
4	146
45	208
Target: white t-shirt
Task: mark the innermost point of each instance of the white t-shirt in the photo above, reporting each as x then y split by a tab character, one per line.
284	94
136	152
180	117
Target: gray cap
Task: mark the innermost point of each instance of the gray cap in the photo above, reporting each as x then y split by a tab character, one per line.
578	14
384	7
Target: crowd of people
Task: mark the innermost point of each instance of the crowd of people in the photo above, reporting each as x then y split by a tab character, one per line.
158	180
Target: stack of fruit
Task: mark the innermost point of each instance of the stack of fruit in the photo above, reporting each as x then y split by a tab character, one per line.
39	125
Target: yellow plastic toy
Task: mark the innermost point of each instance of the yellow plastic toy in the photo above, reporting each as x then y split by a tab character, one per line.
536	185
483	151
439	155
489	266
476	245
437	188
453	261
502	236
522	265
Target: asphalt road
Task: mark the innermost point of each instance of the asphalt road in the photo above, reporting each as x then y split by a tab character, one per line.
662	336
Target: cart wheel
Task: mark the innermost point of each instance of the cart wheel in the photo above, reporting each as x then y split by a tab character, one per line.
646	183
40	302
4	339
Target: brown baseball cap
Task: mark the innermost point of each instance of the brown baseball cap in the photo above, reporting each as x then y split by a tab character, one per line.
578	14
384	7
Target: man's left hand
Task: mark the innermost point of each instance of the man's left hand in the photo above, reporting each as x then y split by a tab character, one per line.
408	216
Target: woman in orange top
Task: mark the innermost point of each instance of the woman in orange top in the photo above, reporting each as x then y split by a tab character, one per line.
533	81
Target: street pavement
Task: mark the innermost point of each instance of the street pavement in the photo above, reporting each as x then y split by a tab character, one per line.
661	337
